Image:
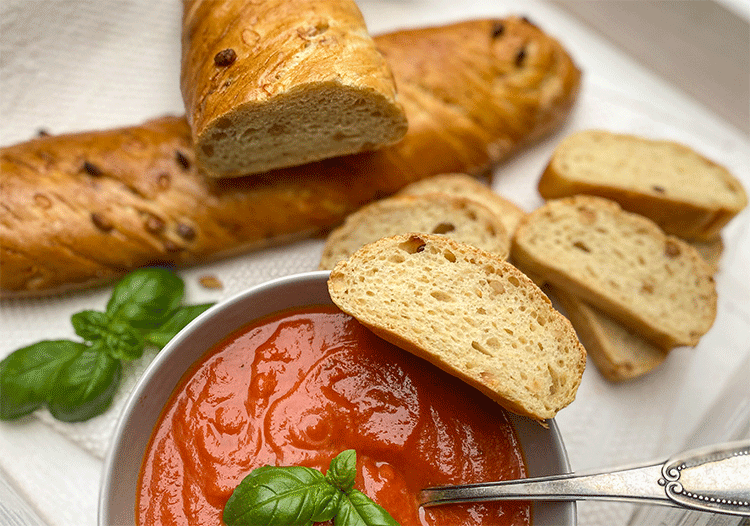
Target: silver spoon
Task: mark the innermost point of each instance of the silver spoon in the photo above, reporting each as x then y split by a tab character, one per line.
714	479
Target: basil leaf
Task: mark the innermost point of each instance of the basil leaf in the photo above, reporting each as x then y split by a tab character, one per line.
84	386
175	323
145	297
343	470
282	496
357	509
27	375
117	338
122	342
90	324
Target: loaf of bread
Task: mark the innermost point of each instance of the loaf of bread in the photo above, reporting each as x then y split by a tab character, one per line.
618	353
276	83
85	208
470	313
686	194
462	185
462	219
621	263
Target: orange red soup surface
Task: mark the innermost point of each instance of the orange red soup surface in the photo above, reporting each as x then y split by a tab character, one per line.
302	386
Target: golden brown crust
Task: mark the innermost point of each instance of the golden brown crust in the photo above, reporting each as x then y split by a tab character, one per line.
68	224
306	71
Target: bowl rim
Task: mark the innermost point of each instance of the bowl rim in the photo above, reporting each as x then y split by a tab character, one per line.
127	416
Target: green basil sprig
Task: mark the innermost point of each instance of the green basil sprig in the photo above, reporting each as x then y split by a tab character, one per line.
300	496
78	380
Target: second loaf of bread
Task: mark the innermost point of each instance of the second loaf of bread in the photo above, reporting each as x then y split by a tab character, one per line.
84	208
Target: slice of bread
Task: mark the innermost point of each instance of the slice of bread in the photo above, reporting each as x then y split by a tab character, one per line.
711	250
685	193
463	185
470	313
622	263
618	353
459	218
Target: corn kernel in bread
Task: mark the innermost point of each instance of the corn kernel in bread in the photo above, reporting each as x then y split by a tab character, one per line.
622	263
470	313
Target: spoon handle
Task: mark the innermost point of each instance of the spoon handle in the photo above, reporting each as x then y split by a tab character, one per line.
715	479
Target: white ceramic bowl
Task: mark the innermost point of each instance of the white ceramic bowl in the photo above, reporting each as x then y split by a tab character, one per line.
543	448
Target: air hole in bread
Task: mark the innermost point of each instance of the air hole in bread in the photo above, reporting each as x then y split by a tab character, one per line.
249	133
479	347
580	245
441	295
413	245
277	129
555	384
208	150
513	280
443	228
496	286
396	258
224	123
450	256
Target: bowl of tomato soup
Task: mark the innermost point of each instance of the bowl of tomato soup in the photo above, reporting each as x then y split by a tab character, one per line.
277	375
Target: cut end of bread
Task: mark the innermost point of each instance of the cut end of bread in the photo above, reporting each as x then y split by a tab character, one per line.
463	219
308	124
466	186
468	312
621	263
685	193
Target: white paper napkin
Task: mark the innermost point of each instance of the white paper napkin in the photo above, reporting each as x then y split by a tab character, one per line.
106	63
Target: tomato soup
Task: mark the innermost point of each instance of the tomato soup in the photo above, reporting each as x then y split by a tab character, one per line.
301	386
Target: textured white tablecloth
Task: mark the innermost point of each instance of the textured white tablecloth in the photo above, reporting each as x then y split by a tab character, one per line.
70	65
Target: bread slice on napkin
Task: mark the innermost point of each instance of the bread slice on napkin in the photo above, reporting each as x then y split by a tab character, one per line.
468	312
455	217
621	263
275	83
618	353
686	194
463	185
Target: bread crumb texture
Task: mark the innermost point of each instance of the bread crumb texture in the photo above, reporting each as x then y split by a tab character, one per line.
685	193
468	312
462	219
622	263
291	82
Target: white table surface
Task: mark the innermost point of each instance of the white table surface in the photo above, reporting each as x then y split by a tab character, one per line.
102	63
